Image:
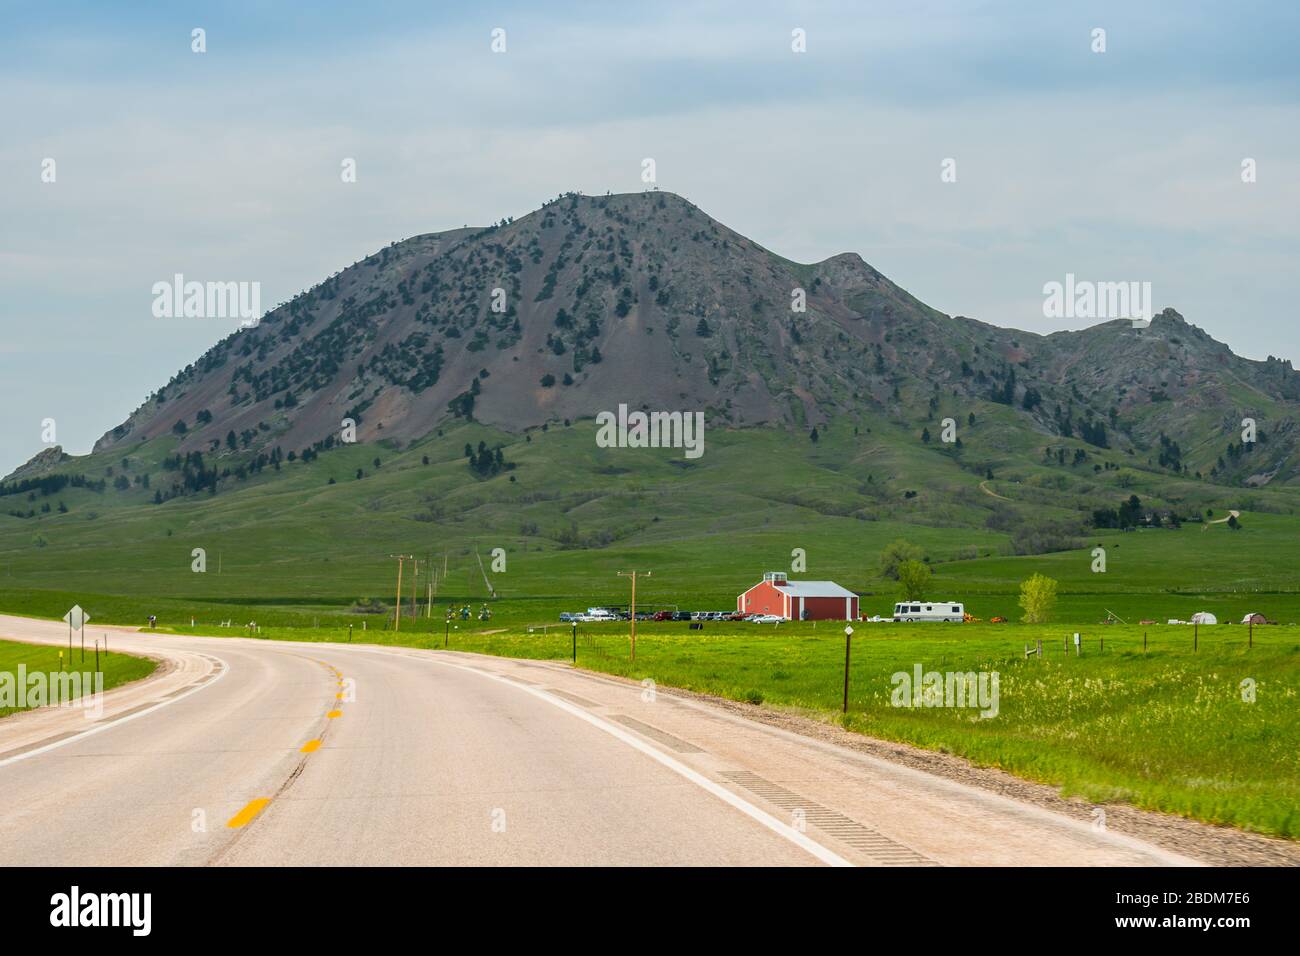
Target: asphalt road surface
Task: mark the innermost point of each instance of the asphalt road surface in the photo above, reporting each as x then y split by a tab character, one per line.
249	752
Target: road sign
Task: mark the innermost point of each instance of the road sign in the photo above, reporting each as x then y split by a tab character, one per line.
76	617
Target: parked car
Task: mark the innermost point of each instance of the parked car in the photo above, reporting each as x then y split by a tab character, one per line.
681	615
568	617
767	619
663	616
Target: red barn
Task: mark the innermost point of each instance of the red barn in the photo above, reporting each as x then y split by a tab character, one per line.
799	600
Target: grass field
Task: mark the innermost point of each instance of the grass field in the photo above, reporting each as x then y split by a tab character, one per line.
1151	574
289	547
38	658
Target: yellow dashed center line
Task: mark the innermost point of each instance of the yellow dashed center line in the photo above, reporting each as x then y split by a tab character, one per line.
246	815
254	807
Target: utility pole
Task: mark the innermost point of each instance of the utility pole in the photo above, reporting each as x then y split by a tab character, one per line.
632	613
397	616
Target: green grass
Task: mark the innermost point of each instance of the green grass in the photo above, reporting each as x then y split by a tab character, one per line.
117	668
289	547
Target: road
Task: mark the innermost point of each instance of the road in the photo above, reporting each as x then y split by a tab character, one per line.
984	487
1226	518
248	752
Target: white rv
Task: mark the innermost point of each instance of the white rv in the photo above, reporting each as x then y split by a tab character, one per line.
910	611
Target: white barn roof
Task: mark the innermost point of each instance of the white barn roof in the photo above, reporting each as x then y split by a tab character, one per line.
815	589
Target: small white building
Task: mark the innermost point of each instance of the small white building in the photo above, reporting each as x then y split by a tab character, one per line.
1204	617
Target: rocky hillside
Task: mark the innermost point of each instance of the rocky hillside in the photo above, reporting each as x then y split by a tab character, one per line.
643	299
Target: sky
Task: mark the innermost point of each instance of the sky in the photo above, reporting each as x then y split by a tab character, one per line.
225	165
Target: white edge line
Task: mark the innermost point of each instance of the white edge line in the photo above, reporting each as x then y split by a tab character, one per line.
110	724
965	791
801	840
931	781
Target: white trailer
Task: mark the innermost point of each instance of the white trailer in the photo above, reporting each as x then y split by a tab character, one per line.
909	611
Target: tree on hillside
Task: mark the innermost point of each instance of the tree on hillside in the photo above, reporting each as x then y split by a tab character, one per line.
895	553
1037	598
913	579
1130	512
